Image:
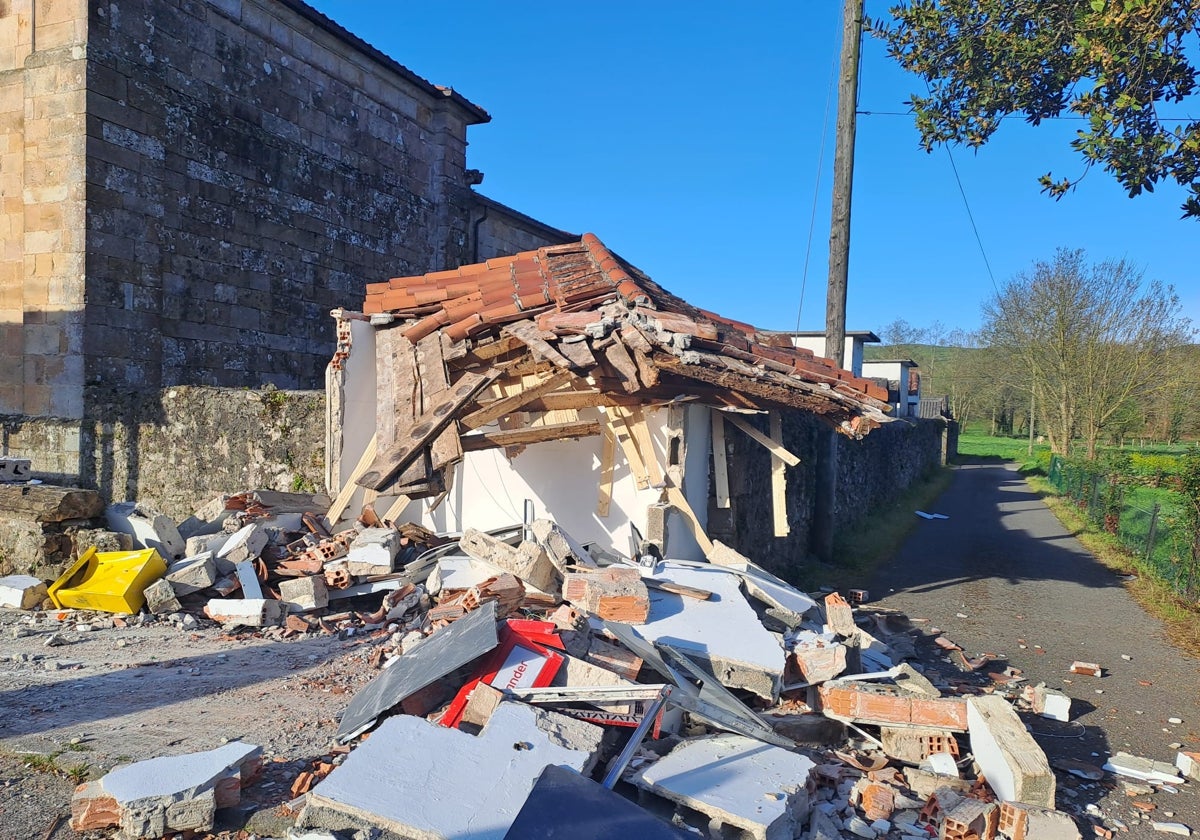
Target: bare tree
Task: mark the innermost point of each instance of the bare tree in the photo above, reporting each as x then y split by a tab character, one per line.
1091	337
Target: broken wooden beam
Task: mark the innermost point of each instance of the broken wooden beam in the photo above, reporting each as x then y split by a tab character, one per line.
522	437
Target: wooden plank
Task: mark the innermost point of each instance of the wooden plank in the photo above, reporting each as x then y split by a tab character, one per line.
720	464
680	503
507	405
774	447
434	383
579	353
778	479
523	437
531	336
394	459
635	420
608	456
619	360
677	589
589	398
638	469
347	492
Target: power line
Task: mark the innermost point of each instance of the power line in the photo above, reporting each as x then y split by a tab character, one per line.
1043	119
812	220
971	216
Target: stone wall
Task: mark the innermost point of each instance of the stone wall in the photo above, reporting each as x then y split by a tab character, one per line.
871	472
497	231
42	101
248	171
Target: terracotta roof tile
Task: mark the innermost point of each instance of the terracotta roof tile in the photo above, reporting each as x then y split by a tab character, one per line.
563	288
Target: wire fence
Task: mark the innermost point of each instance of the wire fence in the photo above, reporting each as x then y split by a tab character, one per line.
1149	522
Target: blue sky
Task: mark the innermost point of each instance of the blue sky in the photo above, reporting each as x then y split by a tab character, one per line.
688	137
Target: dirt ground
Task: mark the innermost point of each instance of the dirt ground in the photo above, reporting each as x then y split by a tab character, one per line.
111	695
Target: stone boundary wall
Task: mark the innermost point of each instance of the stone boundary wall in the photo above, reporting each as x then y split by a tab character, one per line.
871	472
179	448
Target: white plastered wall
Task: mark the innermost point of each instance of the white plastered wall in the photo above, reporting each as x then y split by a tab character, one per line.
561	478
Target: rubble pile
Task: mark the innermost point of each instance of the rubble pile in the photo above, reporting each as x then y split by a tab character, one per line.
664	697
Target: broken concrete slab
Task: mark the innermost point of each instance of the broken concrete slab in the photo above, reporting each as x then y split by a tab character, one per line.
808	729
246	612
244	545
207	543
304	593
22	592
373	552
160	598
913	745
192	574
594	812
418	779
1011	761
724	632
528	561
789	603
150	529
167	794
450	648
1146	769
562	549
911	681
206	519
736	781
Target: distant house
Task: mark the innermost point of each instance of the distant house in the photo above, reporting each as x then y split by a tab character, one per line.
903	383
853	354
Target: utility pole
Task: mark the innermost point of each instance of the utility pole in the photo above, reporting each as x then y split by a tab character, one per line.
839	264
843	182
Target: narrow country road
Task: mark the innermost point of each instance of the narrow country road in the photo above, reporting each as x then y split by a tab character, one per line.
1003	576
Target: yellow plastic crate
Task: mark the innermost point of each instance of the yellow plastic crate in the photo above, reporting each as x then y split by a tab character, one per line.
110	581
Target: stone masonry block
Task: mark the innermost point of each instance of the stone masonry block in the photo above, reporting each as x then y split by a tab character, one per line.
373	551
160	597
192	574
304	593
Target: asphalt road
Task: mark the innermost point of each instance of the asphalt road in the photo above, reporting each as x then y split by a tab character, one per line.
1020	578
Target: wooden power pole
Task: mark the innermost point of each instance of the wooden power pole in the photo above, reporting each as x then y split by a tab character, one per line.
843	182
839	264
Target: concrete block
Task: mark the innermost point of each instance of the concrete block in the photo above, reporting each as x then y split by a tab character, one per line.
737	781
259	612
22	592
528	561
915	745
417	779
208	544
1048	702
724	631
563	550
304	593
192	574
160	597
808	729
167	794
373	551
150	529
245	545
1011	761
